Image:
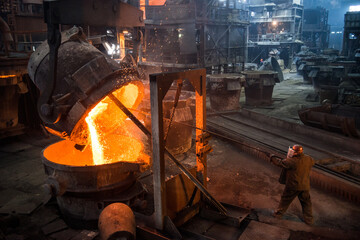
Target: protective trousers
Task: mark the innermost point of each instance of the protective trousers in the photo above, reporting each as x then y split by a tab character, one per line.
305	200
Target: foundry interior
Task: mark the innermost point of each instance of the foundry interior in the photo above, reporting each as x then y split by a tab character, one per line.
161	119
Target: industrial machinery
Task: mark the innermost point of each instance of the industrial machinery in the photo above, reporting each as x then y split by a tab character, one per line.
275	24
195	34
91	102
259	86
16	44
316	30
351	35
224	90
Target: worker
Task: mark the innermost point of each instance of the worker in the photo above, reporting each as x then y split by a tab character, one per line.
297	183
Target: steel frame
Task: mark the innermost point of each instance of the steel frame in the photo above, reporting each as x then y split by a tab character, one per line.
159	86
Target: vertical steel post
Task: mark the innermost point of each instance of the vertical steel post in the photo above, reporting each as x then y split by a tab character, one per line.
159	85
201	162
158	152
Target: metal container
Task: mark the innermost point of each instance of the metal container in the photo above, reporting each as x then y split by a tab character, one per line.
84	77
179	136
326	75
224	91
259	87
11	86
82	189
335	118
306	65
348	65
328	93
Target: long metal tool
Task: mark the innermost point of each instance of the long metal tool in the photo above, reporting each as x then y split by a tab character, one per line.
198	184
176	101
129	114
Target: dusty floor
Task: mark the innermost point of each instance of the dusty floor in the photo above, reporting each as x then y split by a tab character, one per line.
252	183
234	177
289	96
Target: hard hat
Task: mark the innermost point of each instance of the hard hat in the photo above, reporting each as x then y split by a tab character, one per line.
298	149
294	150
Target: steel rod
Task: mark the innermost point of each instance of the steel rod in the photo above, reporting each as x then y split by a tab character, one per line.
130	115
217	204
198	184
176	101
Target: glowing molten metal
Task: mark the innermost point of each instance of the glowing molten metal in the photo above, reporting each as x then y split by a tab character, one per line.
106	123
96	146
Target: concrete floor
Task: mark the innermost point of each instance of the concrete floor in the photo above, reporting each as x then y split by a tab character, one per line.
253	183
234	177
243	180
288	97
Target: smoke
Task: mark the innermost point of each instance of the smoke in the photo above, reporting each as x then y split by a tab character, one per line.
322	3
329	4
335	3
337	9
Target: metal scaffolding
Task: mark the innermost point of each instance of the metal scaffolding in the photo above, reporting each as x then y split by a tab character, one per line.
191	34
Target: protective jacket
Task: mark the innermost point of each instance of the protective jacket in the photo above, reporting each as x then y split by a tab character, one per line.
298	171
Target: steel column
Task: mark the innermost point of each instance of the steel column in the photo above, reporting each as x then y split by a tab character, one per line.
159	85
157	128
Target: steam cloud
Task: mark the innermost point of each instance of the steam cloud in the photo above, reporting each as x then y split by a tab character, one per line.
335	3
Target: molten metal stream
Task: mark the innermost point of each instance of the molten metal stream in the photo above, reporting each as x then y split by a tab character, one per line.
106	126
96	146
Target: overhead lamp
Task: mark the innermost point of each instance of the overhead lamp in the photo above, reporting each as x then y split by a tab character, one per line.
354	8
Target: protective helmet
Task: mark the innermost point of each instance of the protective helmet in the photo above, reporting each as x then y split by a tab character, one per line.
298	149
294	150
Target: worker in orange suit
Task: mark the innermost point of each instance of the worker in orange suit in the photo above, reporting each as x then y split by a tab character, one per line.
297	184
